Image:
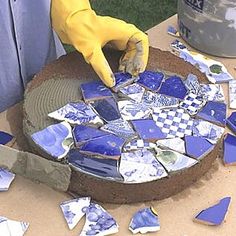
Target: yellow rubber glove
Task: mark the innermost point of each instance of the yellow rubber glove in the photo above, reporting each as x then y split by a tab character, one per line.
77	24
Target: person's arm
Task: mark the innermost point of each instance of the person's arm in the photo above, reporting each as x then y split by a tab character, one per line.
77	24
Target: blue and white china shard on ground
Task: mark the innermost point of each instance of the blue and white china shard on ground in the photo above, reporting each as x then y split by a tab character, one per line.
98	222
5	138
212	92
144	221
230	149
122	80
56	139
232	94
6	178
73	210
140	166
76	114
231	122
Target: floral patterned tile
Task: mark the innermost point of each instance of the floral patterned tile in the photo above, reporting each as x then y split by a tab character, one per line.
6	178
212	92
122	80
192	84
131	110
76	114
175	144
73	210
56	139
138	144
232	94
95	90
98	221
144	221
140	166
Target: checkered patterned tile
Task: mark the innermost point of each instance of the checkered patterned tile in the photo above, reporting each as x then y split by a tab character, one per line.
173	122
192	103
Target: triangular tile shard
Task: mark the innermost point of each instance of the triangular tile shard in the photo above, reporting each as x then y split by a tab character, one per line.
144	221
214	215
229	150
122	80
6	178
231	122
175	144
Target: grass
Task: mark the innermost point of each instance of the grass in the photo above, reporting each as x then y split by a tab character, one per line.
143	13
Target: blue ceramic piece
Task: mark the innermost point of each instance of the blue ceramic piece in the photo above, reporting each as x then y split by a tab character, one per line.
175	144
122	80
138	144
100	167
212	92
192	84
144	221
151	80
107	109
120	128
83	134
197	147
73	210
230	149
214	215
56	139
108	146
95	90
5	138
148	130
214	112
231	122
232	94
6	178
178	45
172	31
174	87
98	222
133	91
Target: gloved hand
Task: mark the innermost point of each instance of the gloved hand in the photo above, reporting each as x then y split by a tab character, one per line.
77	24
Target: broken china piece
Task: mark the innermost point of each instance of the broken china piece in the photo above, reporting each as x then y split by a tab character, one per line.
73	210
148	130
5	138
131	110
76	113
174	161
99	167
215	214
171	30
214	112
212	92
144	221
231	122
138	144
197	147
107	146
192	84
173	122
232	94
122	80
120	128
151	80
174	87
175	144
133	91
98	222
95	90
82	134
140	166
205	129
56	139
229	150
6	178
107	109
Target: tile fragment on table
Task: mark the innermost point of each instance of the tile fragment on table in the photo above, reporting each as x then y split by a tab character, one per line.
232	94
122	80
98	221
174	87
138	144
192	84
174	161
212	92
171	30
229	150
131	110
56	139
192	103
205	129
6	138
144	221
148	130
140	166
96	166
197	147
95	90
6	178
173	122
214	112
231	122
151	80
107	109
133	91
73	210
76	113
215	214
175	144
107	146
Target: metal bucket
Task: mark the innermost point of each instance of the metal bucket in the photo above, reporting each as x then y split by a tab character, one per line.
209	25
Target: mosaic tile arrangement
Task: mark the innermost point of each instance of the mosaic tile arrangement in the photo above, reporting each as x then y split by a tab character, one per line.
152	126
